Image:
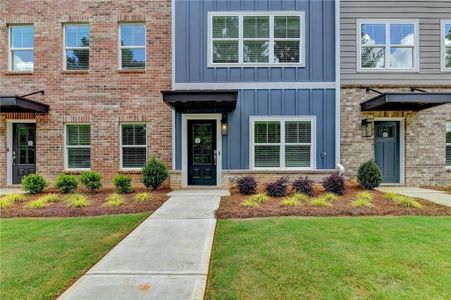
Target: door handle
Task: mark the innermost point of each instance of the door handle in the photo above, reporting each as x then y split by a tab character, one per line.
215	157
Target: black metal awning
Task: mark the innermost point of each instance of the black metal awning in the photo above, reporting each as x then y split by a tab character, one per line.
17	104
201	101
413	101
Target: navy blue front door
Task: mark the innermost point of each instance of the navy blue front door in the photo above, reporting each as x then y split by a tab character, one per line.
386	149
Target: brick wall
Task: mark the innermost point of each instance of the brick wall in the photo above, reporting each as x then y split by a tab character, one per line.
424	137
104	96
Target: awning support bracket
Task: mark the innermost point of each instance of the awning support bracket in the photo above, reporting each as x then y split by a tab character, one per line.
367	89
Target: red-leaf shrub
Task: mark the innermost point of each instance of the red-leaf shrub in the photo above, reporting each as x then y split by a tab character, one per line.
277	188
334	183
303	186
247	185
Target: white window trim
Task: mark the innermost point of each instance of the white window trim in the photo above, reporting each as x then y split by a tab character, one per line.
387	45
120	47
66	148
130	146
65	48
11	49
443	46
282	119
271	15
447	145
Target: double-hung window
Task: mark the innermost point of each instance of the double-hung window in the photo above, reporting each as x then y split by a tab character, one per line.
21	48
254	39
132	46
285	142
387	45
76	47
133	146
446	45
78	146
448	144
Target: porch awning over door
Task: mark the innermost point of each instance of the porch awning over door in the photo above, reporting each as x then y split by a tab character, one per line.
17	104
201	101
413	101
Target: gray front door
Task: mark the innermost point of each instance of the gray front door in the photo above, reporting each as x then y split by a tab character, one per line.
386	148
24	150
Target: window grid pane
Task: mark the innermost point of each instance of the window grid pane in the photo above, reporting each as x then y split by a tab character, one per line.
78	135
267	156
134	135
133	157
297	156
79	158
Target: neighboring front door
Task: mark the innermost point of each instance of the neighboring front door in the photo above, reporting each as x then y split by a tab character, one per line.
386	148
24	150
202	152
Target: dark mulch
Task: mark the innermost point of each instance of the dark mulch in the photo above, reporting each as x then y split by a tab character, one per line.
230	208
60	209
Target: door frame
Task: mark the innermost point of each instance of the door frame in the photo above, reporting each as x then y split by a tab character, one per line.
185	118
9	146
402	157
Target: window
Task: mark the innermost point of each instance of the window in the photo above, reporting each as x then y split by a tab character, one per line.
446	45
132	46
21	43
76	44
388	45
282	142
133	145
256	39
448	144
78	146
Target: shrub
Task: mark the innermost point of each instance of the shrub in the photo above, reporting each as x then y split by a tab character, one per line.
77	200
143	197
259	198
123	183
247	185
5	202
361	203
34	183
38	203
320	202
365	196
291	201
66	183
277	188
248	203
154	173
114	200
330	197
369	175
334	183
303	186
91	179
300	197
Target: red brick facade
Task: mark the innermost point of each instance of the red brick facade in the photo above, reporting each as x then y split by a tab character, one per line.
104	96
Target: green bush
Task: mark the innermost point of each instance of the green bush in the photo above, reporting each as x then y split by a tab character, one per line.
77	200
114	200
154	173
369	175
66	183
143	197
91	179
122	183
34	183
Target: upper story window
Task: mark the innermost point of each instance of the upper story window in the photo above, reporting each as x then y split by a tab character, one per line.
21	47
133	145
76	44
132	46
448	144
78	146
253	39
446	45
387	45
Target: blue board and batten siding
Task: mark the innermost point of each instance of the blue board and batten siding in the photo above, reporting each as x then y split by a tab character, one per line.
191	67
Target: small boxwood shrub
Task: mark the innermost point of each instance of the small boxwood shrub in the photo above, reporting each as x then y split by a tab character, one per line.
303	185
247	185
122	183
114	200
66	183
335	183
143	197
34	183
154	173
91	180
369	175
277	188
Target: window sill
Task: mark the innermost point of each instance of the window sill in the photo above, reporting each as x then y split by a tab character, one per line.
130	171
19	72
388	71
131	71
74	171
74	71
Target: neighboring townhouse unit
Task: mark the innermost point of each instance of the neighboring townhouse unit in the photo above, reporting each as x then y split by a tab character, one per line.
395	83
254	90
101	66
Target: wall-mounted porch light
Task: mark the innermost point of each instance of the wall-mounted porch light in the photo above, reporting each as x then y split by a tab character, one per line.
224	124
367	127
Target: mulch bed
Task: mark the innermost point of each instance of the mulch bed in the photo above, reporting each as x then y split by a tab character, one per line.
60	209
439	188
230	207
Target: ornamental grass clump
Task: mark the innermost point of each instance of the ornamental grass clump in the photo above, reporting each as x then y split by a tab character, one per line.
5	202
290	201
259	198
361	203
77	200
114	200
320	202
303	185
8	200
249	204
330	197
143	197
50	198
247	185
300	197
38	203
408	202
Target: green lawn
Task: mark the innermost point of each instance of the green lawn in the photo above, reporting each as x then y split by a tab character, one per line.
40	257
332	258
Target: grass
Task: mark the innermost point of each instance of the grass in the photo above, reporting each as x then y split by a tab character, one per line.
249	203
332	258
320	202
289	202
38	203
259	198
143	197
9	200
77	200
40	257
114	200
402	200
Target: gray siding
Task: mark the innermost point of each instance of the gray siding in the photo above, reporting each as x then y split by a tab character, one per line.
428	12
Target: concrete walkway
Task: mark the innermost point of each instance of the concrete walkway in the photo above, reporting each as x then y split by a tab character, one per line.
438	197
166	257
